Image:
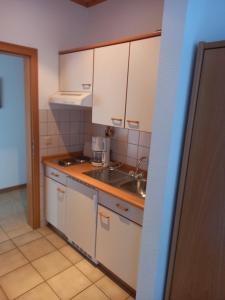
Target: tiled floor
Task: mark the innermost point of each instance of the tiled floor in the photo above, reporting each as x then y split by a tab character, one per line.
39	265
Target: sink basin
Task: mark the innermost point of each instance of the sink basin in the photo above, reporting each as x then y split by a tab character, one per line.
136	186
121	180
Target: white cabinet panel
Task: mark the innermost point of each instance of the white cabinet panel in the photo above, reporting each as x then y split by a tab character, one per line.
55	204
81	216
76	71
142	81
110	84
118	245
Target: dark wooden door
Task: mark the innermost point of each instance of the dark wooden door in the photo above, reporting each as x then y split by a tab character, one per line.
197	263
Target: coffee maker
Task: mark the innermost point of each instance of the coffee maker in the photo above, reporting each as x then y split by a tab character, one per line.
101	151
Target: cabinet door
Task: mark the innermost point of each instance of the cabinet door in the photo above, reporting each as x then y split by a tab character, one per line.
142	79
110	84
55	204
81	216
61	203
76	71
51	202
118	244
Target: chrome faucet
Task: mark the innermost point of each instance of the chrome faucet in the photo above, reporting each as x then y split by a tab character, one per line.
137	174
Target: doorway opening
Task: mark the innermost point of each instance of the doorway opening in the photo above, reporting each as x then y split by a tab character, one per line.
19	145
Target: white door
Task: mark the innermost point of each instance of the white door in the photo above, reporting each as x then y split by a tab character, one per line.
110	84
55	204
81	216
118	245
76	71
142	80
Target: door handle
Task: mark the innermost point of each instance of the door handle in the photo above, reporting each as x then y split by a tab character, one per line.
122	207
60	191
102	215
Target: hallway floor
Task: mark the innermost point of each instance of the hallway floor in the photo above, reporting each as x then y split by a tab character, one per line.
40	265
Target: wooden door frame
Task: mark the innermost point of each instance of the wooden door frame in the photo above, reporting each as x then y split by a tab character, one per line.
30	56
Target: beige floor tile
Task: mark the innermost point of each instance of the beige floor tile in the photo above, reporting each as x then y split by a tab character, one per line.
19	231
13	222
91	293
73	255
6	246
51	264
26	238
56	240
89	270
37	248
69	283
20	281
11	260
2	295
41	292
45	230
3	236
111	289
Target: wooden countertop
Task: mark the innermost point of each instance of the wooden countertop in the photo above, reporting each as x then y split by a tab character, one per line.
76	171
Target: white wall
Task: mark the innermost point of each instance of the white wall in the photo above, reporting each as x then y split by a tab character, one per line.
49	25
185	23
12	122
52	25
118	18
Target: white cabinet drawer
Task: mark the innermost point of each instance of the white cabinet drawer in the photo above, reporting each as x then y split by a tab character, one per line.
123	208
56	175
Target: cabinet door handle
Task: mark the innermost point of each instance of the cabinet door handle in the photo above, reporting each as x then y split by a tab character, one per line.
60	191
86	86
117	119
133	121
102	215
55	174
122	207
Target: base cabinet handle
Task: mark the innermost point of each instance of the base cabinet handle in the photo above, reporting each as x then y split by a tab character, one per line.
122	207
60	191
102	215
55	174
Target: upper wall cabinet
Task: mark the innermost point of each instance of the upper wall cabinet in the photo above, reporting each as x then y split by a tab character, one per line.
76	71
142	80
110	85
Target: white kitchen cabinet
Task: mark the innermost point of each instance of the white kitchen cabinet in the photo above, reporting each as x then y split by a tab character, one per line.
142	81
82	216
55	204
76	71
110	84
118	244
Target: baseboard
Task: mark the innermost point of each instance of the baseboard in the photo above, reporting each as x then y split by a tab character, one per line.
13	188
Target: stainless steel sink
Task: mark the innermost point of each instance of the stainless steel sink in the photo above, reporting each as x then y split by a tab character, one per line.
121	180
136	186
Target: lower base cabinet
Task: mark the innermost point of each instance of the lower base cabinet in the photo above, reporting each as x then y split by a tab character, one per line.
81	216
118	245
55	204
77	210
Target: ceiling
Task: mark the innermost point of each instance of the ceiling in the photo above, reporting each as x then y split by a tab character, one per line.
88	3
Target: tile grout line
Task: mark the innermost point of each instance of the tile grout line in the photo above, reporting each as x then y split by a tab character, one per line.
30	262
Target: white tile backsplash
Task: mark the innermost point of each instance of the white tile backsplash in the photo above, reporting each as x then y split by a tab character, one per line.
133	137
145	139
132	151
